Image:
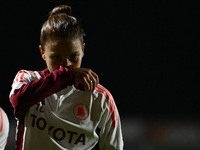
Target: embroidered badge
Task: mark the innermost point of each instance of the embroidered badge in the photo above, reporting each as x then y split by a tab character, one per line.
81	111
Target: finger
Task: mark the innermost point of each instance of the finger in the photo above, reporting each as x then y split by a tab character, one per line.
91	86
92	81
96	77
86	84
95	80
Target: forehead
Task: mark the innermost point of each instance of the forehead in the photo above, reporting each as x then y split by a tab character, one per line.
64	45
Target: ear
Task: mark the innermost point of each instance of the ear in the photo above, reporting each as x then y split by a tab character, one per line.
42	52
83	48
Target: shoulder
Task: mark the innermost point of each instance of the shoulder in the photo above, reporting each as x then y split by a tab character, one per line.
109	102
4	122
4	128
107	98
103	91
26	76
23	77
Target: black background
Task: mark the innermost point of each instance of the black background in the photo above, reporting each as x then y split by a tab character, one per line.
146	53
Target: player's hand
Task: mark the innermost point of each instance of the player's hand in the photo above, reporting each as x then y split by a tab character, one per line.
87	78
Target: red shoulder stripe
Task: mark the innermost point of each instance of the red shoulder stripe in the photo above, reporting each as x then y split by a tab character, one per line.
20	76
1	129
112	101
112	107
16	78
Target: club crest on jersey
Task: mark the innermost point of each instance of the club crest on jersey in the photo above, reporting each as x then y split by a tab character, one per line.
81	111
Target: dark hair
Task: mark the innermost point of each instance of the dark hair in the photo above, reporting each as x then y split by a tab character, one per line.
60	25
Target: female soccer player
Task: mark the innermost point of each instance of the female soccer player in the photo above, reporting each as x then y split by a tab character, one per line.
63	107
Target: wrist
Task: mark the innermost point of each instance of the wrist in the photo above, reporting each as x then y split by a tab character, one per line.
69	73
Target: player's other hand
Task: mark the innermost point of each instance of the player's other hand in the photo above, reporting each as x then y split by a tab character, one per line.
87	78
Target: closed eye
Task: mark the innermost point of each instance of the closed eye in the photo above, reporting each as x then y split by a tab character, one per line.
55	57
74	57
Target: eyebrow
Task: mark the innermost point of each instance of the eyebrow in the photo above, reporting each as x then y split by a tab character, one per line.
56	53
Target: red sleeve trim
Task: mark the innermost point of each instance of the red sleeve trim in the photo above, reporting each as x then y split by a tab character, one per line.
112	107
1	129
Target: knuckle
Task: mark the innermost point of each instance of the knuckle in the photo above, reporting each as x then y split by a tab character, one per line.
89	71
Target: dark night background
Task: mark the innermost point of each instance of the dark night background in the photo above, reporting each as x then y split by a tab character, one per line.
146	53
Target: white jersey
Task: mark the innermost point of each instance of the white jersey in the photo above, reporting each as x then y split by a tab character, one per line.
4	129
69	119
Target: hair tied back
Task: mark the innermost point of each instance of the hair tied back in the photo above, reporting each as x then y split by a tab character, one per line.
60	25
62	9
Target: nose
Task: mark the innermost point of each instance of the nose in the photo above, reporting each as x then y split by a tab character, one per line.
66	63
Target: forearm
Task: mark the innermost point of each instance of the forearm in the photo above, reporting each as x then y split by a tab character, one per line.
35	91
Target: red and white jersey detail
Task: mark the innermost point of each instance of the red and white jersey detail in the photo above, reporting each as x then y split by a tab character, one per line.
20	75
23	77
50	110
4	129
112	107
